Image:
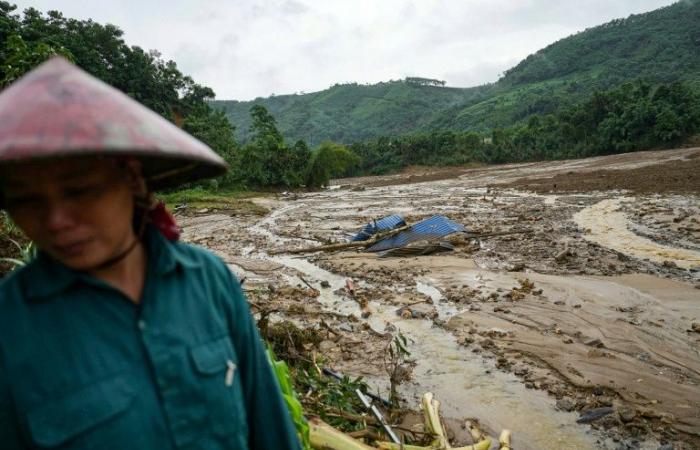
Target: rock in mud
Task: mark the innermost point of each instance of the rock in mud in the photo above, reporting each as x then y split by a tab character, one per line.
521	372
502	362
404	313
566	404
597	343
516	267
695	326
562	256
326	346
626	413
605	400
598	391
644	356
592	415
345	327
325	284
670	264
487	343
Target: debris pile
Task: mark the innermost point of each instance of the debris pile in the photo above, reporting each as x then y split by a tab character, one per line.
343	414
393	237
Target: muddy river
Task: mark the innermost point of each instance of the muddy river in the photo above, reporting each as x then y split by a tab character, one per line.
581	300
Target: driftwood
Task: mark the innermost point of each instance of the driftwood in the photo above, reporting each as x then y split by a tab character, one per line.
363	302
498	233
344	245
562	255
309	284
350	286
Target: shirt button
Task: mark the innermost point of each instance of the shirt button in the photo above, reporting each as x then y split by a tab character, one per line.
142	325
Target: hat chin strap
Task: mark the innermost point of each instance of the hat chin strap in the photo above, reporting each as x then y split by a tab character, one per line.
119	257
115	259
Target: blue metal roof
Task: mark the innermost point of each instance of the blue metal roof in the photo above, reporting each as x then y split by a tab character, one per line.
387	223
433	228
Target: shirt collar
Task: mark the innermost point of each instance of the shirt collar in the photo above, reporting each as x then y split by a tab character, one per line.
165	256
45	277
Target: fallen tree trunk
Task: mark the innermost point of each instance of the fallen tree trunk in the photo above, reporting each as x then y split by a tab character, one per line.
379	237
343	245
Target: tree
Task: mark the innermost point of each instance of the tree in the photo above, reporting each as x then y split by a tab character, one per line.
20	57
327	161
266	161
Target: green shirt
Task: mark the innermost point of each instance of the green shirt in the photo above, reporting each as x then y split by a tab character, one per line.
82	367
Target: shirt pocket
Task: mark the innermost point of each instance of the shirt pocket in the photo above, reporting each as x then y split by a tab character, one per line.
83	419
216	365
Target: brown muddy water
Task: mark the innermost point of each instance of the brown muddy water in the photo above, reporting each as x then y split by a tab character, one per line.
591	306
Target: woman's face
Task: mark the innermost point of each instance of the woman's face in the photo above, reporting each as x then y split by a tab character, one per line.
79	211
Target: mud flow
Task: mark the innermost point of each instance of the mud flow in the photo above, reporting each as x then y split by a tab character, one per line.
580	331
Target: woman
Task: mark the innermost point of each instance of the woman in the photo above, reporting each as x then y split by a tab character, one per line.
117	336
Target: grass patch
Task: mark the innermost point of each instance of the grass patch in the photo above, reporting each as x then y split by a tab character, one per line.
200	198
12	244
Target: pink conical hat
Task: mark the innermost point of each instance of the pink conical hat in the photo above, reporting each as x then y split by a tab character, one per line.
59	111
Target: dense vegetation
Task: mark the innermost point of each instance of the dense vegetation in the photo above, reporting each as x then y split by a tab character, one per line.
635	116
352	112
661	46
266	160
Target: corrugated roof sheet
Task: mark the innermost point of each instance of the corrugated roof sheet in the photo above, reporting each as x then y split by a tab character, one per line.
384	224
435	227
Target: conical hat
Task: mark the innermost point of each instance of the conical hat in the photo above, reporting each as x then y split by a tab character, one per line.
59	111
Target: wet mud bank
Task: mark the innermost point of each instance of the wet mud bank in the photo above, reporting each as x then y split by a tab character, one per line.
578	332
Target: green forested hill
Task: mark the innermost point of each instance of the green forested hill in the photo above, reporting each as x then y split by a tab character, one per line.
352	112
659	46
662	44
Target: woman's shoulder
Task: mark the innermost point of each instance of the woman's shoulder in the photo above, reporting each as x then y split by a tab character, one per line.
12	289
204	263
11	282
191	254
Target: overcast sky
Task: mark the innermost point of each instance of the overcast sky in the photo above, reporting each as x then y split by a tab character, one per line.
245	49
